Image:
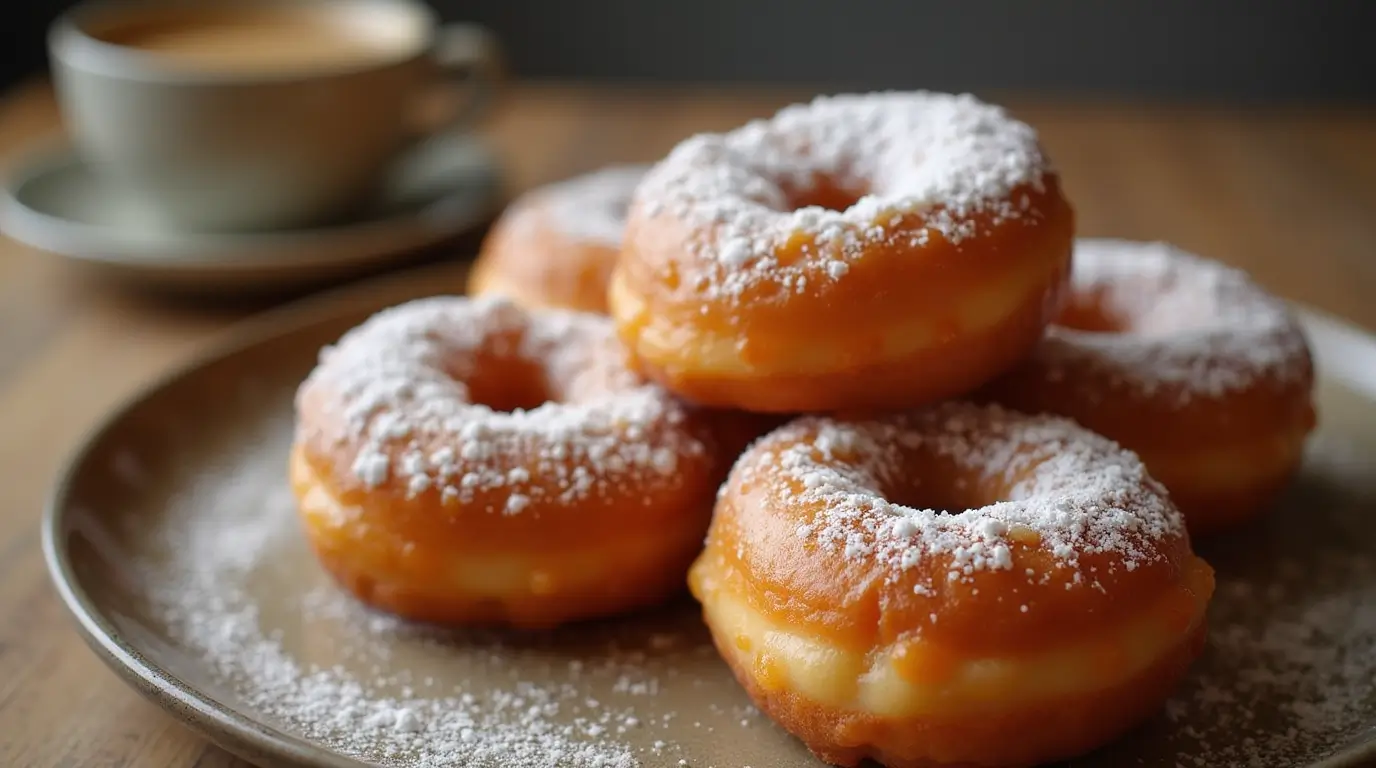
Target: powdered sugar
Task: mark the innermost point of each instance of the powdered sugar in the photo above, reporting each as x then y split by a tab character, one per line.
1078	492
940	157
201	588
395	394
589	207
309	660
1196	326
1289	673
206	573
1309	671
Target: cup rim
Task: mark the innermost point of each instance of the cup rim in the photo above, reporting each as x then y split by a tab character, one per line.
71	46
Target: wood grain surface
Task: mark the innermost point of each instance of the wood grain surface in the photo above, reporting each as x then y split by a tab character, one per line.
1288	195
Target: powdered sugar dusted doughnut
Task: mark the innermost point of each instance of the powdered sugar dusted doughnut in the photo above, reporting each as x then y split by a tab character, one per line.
821	258
555	245
916	588
1184	360
466	460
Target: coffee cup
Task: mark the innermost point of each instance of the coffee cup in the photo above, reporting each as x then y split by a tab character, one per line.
260	114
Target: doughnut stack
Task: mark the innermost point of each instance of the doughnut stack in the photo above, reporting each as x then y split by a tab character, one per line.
947	459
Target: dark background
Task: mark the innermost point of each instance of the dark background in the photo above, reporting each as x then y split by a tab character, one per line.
1211	50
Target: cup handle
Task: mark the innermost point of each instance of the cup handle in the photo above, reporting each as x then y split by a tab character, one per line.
469	60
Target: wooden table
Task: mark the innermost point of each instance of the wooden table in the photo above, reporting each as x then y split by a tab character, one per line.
1289	195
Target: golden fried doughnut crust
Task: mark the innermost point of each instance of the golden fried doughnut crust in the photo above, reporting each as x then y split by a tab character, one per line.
465	460
870	621
555	245
1185	361
872	251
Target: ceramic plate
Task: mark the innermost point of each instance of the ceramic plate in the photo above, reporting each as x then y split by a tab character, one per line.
172	540
434	192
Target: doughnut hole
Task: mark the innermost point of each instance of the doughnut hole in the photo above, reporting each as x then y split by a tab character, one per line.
942	487
510	384
825	193
1140	307
508	374
1091	311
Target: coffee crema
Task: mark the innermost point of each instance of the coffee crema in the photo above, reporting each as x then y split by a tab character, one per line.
255	40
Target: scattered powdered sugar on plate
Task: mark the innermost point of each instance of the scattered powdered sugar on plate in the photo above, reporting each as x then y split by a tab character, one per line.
1198	326
1310	671
229	577
227	597
940	156
588	207
203	587
1289	673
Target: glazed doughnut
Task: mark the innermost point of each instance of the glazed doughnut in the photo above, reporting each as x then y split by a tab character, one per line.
875	251
467	461
961	585
1185	361
555	245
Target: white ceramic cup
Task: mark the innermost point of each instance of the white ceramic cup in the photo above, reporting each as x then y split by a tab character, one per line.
254	148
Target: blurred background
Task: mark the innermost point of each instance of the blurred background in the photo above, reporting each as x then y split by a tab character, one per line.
1244	130
1210	50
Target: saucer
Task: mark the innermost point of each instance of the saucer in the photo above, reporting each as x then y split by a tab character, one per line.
434	192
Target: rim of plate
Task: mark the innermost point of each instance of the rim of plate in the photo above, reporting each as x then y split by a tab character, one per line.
247	738
221	724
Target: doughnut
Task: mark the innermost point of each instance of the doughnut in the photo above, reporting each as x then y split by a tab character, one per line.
1186	362
555	245
957	585
469	461
859	251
